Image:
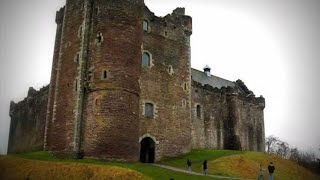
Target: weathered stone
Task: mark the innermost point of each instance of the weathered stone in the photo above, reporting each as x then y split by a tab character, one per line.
99	90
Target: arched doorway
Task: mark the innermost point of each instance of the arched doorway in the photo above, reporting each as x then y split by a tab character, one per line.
147	150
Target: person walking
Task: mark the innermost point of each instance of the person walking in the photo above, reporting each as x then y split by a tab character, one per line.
260	175
189	163
271	169
205	167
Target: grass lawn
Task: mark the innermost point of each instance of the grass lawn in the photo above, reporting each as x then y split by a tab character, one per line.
147	170
220	162
197	156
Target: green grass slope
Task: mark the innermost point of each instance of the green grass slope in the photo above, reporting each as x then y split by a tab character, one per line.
18	168
41	165
44	166
242	164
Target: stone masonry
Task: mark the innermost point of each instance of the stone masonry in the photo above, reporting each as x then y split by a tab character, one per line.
122	88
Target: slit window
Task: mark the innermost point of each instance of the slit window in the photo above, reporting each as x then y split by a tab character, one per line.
105	74
76	85
148	110
198	111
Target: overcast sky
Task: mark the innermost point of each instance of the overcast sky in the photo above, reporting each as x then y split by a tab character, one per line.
272	45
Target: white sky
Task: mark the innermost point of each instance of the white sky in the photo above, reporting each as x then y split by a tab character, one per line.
272	45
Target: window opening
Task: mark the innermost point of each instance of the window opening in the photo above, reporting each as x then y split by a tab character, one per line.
148	110
105	74
76	86
145	60
198	111
145	25
99	38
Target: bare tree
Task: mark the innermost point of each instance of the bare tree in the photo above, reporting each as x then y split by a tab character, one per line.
271	143
295	155
282	149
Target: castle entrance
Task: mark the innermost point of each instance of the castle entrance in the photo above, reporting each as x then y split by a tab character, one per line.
147	150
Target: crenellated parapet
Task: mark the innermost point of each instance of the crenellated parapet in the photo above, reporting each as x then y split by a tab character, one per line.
233	91
28	121
60	15
31	96
175	26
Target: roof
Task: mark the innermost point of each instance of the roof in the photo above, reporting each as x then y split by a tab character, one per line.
213	81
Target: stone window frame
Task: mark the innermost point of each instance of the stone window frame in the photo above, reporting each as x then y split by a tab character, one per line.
184	103
77	57
186	86
76	85
198	111
144	109
80	31
148	26
170	70
150	59
99	38
90	76
96	10
105	75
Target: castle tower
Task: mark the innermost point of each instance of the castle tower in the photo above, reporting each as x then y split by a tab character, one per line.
111	126
165	100
95	106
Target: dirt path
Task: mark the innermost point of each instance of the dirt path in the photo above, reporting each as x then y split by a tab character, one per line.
194	173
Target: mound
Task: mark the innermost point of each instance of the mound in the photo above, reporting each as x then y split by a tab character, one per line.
246	165
16	168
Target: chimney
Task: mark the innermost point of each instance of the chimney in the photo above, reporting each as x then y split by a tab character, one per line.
206	70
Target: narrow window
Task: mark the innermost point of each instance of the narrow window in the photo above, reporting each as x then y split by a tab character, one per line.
99	38
145	60
96	10
184	103
89	76
77	57
185	86
170	70
80	32
198	111
105	74
148	110
145	25
76	86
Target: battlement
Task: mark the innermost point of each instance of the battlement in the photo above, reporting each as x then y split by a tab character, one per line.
232	91
32	94
175	26
60	15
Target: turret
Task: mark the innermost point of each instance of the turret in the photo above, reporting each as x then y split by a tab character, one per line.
111	114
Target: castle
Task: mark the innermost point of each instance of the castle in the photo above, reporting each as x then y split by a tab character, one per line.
122	88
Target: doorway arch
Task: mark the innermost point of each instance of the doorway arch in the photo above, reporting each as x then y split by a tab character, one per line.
147	150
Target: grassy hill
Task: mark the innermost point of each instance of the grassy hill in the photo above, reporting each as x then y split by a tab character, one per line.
242	164
41	165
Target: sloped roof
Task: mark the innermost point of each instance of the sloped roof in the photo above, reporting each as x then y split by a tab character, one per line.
213	81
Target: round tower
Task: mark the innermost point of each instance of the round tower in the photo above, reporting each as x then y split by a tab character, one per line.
110	127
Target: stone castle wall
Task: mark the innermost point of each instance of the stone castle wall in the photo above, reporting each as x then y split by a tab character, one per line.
28	122
166	82
99	90
227	119
110	127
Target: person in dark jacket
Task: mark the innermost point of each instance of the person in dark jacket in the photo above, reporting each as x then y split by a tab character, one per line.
189	163
205	167
271	169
